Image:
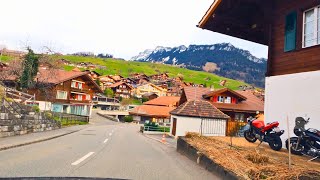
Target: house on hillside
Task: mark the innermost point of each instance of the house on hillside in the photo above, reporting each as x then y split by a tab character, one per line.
122	89
156	110
94	74
150	96
64	91
116	78
237	105
198	116
159	77
105	81
291	32
138	75
149	88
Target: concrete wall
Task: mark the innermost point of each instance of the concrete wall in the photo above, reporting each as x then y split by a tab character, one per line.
293	95
193	124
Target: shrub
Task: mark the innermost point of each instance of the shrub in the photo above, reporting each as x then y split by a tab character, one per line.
36	109
48	115
128	118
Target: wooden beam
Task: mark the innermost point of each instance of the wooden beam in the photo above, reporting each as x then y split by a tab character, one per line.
209	13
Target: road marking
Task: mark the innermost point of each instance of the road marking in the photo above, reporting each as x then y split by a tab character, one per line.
105	140
110	134
82	159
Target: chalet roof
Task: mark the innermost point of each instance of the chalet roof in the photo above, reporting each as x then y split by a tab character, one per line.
194	93
120	83
152	111
56	76
199	108
164	101
149	94
153	85
252	103
245	19
219	91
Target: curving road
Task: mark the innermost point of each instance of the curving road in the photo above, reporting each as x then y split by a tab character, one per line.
103	149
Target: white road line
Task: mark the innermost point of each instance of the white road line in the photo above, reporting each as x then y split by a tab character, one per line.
105	140
82	159
110	134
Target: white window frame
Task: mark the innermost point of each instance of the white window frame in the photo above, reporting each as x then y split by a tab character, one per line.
88	97
227	100
79	95
222	98
65	94
73	84
316	31
80	85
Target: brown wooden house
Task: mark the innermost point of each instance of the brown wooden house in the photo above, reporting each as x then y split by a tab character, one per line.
122	89
64	91
291	30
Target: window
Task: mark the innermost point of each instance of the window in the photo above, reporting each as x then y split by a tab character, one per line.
239	117
290	32
73	84
61	95
220	99
227	100
311	27
88	97
80	85
79	97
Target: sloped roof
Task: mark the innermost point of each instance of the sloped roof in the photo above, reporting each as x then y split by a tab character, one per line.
164	101
219	91
199	108
56	76
152	111
194	93
252	103
120	83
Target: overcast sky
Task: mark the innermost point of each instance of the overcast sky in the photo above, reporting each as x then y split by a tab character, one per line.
120	27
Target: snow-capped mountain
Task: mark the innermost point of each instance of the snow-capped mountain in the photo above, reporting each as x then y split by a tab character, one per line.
229	61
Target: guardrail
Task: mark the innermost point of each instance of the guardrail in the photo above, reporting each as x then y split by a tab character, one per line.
156	129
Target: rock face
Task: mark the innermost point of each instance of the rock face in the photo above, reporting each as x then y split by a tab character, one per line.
229	61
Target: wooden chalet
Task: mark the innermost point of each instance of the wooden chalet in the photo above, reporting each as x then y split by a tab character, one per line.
290	29
122	89
64	91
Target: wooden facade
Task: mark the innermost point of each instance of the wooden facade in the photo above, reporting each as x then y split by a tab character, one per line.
264	22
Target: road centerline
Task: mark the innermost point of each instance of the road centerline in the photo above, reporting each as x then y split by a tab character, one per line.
110	134
105	140
82	159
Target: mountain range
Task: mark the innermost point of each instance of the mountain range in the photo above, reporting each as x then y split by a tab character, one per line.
222	59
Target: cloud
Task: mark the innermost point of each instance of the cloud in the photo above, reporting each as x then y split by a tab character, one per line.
121	27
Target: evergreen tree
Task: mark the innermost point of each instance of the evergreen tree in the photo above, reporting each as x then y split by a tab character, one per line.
30	69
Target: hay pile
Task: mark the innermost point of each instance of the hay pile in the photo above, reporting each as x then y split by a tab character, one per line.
250	162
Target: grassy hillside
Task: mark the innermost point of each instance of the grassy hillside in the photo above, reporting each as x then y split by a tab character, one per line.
127	67
4	58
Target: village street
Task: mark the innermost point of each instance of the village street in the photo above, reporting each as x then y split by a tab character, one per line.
102	149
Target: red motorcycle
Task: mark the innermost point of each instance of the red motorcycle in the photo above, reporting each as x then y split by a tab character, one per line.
269	133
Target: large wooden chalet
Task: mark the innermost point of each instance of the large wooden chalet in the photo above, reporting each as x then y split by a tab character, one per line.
64	91
291	30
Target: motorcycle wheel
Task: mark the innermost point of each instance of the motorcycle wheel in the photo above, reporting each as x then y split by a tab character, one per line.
276	143
294	149
249	136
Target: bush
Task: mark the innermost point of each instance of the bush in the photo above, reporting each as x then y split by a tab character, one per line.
36	109
48	115
128	118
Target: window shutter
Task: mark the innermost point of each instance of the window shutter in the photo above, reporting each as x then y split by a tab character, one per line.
290	32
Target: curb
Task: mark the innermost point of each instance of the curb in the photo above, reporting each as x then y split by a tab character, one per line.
36	141
154	139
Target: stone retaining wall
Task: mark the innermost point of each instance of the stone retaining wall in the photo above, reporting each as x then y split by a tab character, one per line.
29	125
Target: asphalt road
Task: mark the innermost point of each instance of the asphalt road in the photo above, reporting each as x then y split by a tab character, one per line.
103	149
